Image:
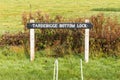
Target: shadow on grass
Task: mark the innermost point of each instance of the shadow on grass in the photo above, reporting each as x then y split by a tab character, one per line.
106	9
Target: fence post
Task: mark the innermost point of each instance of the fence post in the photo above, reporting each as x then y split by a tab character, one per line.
32	42
86	43
55	74
81	69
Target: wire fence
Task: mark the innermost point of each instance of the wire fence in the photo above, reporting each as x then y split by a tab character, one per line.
59	70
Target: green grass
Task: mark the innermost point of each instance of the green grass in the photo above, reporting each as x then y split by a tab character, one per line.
69	69
14	65
10	11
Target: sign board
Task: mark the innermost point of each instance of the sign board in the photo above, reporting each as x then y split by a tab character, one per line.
59	25
32	25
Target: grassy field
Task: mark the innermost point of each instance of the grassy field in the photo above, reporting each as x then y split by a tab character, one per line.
11	11
69	69
14	65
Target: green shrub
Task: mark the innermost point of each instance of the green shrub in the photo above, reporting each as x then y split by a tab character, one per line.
104	36
106	9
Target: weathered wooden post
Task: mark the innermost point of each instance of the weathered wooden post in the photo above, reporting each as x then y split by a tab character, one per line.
86	42
32	42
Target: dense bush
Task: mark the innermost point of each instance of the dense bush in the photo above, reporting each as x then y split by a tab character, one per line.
14	39
104	36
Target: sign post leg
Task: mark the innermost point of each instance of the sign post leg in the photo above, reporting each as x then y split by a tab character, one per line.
32	43
86	43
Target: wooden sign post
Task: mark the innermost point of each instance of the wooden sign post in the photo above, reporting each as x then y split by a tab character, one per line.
86	43
32	42
87	25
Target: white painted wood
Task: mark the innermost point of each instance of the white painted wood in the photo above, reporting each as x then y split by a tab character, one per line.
81	69
32	42
86	43
56	69
55	74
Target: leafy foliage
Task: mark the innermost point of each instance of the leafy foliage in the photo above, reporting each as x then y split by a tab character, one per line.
104	36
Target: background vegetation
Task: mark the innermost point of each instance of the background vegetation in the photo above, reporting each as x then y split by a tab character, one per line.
104	36
11	11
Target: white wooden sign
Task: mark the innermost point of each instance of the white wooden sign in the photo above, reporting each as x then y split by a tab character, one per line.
32	25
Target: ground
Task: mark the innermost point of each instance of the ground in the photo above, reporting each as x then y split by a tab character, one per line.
69	69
